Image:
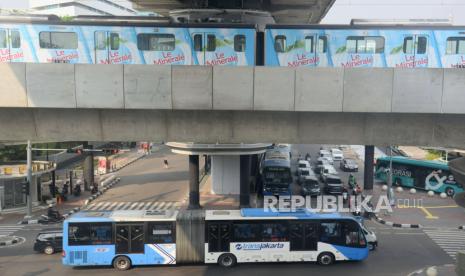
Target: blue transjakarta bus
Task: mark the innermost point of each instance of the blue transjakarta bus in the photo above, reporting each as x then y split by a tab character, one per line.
127	238
275	172
120	238
422	174
257	235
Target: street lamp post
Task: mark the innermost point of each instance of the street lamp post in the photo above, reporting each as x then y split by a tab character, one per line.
29	180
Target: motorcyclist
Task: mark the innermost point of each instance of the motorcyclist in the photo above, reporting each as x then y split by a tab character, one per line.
352	181
53	213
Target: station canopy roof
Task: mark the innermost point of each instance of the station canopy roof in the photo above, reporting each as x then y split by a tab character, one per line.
283	11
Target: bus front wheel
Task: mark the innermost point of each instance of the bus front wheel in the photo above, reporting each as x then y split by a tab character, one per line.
325	258
450	192
122	263
227	260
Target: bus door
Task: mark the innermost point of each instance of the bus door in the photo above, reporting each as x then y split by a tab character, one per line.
219	237
415	49
204	47
303	236
420	175
129	238
10	46
107	47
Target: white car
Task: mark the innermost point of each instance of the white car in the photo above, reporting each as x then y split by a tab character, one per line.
370	237
337	154
327	170
303	164
327	155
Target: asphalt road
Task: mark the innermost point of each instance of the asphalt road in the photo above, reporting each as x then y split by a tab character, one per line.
400	252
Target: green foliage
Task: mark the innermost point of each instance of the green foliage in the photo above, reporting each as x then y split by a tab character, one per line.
341	50
396	50
297	45
433	154
223	42
66	18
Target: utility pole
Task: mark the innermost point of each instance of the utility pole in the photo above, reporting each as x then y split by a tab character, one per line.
29	180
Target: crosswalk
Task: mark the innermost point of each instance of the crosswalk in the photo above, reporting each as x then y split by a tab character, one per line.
9	229
450	240
144	205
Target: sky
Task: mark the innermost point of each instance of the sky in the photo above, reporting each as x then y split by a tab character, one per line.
14	4
344	10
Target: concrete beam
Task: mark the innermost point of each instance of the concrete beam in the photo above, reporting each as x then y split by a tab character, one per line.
192	87
99	86
274	88
59	89
13	92
233	88
453	99
445	130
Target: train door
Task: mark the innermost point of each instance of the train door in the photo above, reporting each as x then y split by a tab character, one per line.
107	46
415	49
204	47
219	237
129	238
10	46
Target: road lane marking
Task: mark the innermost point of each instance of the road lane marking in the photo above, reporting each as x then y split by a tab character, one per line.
428	213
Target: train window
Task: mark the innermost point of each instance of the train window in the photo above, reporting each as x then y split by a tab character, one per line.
100	40
198	43
58	40
365	44
422	41
239	43
211	43
455	45
322	44
309	44
15	39
2	39
280	43
114	41
156	42
408	45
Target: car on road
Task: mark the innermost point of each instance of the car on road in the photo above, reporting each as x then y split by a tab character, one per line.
49	241
327	155
302	173
327	170
348	165
310	186
337	154
320	162
333	185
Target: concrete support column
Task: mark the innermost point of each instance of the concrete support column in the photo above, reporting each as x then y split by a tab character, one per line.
368	173
88	169
244	197
53	185
194	196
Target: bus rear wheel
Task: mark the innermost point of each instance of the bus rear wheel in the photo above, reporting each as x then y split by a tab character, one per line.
450	192
227	260
122	263
325	258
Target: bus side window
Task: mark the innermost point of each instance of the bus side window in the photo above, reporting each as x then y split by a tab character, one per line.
161	232
274	232
101	233
79	234
246	232
330	232
280	43
353	235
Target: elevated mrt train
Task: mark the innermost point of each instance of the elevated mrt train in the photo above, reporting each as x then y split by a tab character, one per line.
142	41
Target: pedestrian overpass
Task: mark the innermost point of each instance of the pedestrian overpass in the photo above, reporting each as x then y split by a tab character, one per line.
367	106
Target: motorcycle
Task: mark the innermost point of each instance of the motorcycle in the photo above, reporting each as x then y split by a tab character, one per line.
77	190
53	216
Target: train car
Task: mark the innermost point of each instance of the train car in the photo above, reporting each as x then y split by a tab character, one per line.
351	46
99	41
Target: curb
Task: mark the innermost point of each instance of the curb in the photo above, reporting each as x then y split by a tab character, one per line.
397	225
13	241
93	197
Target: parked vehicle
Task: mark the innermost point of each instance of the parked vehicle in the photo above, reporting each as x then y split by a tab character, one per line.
337	154
333	185
310	186
348	165
327	155
49	242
